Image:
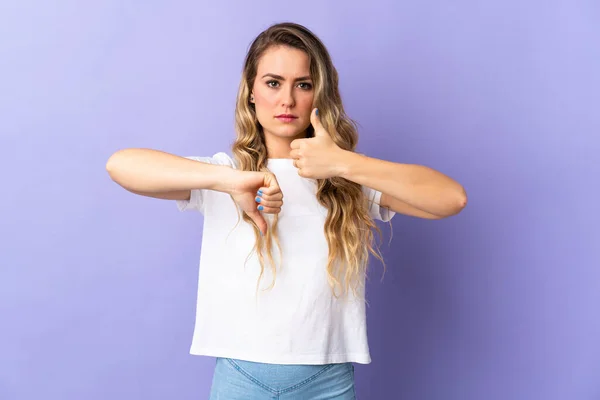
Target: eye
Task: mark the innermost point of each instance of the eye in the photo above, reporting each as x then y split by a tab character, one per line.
307	86
272	84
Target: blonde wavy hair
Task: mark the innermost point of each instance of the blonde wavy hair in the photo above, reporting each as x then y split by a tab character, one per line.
348	227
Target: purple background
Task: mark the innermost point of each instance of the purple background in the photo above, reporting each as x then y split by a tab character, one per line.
98	286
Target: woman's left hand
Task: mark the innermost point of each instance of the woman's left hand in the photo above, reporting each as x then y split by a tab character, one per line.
317	157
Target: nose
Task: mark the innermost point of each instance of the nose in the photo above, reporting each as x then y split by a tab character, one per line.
287	98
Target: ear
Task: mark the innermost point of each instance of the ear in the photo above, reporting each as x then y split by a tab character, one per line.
251	97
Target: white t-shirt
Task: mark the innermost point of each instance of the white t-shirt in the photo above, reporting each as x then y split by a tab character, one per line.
298	321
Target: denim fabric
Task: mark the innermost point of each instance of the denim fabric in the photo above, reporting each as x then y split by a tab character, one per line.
245	380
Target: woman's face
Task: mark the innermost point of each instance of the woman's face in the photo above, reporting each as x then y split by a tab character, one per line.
283	92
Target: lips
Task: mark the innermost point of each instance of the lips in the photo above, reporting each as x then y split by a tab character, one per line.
286	117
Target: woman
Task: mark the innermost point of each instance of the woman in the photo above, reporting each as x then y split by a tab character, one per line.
281	289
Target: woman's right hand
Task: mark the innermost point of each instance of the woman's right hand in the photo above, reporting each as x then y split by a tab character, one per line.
256	193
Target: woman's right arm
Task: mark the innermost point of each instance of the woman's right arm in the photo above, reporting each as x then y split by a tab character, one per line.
163	175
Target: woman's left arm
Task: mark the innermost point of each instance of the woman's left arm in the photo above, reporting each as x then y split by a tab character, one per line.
409	189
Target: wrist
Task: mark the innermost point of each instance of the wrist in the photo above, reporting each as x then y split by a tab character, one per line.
347	161
225	180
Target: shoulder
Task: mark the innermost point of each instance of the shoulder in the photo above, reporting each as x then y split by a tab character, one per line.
220	158
372	195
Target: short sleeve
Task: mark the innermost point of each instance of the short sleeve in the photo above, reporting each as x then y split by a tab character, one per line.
196	201
375	210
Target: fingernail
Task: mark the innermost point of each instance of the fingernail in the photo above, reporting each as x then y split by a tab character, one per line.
258	199
261	234
260	208
260	192
317	112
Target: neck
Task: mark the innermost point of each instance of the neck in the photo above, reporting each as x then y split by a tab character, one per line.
279	147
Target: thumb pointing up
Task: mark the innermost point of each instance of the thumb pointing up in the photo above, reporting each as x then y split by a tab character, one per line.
315	121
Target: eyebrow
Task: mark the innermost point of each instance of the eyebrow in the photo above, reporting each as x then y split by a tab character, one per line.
303	78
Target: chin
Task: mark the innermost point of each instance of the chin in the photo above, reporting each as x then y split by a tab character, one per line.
285	131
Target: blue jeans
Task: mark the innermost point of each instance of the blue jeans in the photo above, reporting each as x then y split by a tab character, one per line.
245	380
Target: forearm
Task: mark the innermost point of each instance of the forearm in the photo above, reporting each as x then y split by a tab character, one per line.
419	186
154	171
